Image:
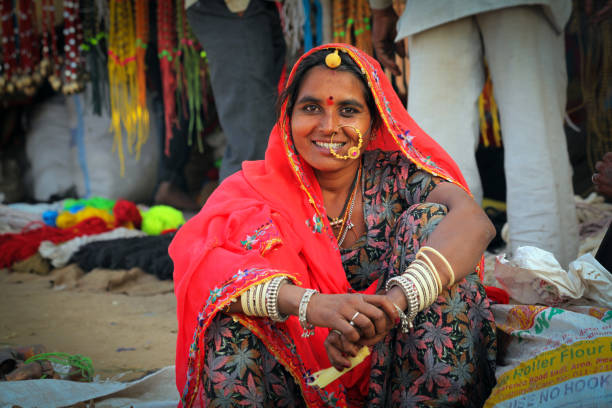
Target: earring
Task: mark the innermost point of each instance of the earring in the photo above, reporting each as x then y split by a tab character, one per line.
353	152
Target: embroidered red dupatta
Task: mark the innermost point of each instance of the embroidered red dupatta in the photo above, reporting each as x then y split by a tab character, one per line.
269	220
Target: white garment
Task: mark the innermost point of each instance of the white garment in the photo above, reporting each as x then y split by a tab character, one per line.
421	15
527	65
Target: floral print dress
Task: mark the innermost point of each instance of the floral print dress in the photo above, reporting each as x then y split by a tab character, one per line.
447	359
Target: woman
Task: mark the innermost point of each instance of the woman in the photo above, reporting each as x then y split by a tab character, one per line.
350	192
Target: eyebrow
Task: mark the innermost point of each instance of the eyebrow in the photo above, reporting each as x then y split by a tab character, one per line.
350	102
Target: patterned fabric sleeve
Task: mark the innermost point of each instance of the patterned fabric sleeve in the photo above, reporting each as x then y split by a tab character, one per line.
414	184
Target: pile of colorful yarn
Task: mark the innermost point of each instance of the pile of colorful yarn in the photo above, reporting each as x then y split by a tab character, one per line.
85	217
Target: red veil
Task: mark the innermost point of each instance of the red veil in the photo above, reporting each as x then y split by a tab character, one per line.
269	220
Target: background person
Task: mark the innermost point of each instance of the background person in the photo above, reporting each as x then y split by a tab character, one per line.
523	45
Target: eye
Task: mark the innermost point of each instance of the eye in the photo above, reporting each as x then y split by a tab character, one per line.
348	111
311	107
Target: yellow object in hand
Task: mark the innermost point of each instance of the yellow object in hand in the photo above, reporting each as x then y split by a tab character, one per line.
323	378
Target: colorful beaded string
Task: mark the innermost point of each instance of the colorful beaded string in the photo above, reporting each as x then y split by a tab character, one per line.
9	49
188	64
72	53
166	40
51	62
28	56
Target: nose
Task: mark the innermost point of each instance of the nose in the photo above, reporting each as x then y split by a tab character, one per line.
328	123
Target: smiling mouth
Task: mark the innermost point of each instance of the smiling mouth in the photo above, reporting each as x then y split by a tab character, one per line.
327	145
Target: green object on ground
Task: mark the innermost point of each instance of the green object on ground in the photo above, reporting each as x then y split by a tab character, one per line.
95	202
160	218
82	364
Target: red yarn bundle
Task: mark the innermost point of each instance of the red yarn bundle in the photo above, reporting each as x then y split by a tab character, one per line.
126	214
19	246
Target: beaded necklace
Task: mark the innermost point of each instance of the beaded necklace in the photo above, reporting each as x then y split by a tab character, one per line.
51	62
27	54
72	42
9	49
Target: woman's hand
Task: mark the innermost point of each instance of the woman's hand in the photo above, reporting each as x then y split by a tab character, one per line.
373	316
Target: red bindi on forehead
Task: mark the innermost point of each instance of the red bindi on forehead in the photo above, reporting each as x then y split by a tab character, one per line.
330	100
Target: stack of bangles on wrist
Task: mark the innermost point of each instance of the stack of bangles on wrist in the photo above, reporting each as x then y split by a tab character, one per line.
421	285
262	300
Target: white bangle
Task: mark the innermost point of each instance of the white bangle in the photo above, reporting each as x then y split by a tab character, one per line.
272	299
308	327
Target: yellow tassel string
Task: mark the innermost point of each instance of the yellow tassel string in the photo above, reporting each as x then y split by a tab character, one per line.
122	80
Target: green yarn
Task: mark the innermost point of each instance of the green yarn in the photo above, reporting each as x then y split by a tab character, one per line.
160	218
82	364
95	202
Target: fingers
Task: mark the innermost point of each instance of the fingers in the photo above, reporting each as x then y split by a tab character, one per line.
379	317
333	346
384	303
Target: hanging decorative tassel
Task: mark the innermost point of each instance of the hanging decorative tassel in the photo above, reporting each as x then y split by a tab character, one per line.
351	24
166	43
142	38
361	27
96	59
190	60
340	12
122	76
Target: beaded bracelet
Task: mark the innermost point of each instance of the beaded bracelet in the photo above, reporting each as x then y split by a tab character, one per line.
308	327
272	299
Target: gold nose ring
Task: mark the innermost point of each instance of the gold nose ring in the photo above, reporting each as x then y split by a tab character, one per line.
353	152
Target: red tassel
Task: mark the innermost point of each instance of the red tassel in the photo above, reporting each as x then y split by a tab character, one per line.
165	46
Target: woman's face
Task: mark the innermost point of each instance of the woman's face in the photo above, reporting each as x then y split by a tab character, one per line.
327	101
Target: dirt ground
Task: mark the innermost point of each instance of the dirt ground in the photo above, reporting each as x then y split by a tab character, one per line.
130	335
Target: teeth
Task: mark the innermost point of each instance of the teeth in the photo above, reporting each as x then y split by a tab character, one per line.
329	145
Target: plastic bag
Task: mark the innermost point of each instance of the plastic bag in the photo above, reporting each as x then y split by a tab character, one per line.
533	276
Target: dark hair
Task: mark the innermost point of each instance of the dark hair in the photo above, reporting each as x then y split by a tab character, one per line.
318	58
